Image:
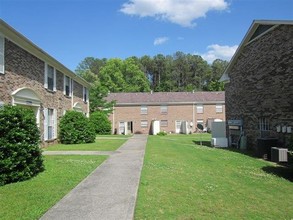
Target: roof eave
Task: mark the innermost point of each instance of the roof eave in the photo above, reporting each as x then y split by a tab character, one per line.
246	38
19	39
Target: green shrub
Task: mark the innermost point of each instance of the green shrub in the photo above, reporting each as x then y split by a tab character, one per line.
75	128
100	122
162	133
20	154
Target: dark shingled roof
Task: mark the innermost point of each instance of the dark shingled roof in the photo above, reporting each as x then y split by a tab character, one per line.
167	97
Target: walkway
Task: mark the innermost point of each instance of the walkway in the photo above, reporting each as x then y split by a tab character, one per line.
110	191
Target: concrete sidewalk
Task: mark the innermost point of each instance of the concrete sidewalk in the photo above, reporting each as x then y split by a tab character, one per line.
110	191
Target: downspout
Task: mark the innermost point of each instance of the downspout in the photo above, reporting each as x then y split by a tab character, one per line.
72	89
88	103
113	121
193	118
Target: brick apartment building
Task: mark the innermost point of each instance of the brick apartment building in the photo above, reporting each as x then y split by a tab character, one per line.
259	88
134	112
31	78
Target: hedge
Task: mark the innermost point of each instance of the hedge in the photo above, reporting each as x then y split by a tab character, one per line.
75	128
20	154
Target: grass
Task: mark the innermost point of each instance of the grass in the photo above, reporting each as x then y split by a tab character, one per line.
31	199
183	180
102	143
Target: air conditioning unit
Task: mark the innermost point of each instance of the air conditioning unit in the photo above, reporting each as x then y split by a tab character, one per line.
279	154
219	142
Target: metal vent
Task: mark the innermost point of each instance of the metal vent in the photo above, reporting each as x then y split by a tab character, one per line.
279	154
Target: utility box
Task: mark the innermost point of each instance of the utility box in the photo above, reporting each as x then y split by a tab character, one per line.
219	134
279	154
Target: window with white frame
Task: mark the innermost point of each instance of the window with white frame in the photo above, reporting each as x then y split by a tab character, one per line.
67	86
144	123
50	124
219	108
199	109
2	42
264	124
164	123
144	110
85	94
164	109
50	77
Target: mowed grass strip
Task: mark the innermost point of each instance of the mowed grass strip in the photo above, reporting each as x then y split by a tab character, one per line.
101	144
32	198
183	180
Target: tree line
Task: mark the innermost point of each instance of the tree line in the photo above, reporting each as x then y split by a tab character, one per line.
171	73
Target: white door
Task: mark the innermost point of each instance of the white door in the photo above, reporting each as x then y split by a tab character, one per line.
121	127
178	127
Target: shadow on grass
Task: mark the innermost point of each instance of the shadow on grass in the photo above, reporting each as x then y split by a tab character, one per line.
203	143
249	153
285	172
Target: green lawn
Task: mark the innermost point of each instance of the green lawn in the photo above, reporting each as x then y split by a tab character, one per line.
102	143
183	180
31	199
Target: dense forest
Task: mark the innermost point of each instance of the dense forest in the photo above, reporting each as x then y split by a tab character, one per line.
172	73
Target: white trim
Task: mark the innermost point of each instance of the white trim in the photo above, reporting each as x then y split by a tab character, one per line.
219	108
144	123
69	85
260	35
2	52
17	38
85	92
25	96
245	41
46	77
54	78
164	109
45	124
78	107
54	123
199	109
144	110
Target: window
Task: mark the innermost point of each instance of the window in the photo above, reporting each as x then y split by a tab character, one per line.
2	42
264	124
144	110
67	86
85	94
164	109
50	124
50	77
144	123
199	109
219	108
164	123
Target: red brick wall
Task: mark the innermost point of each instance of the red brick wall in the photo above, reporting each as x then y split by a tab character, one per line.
175	112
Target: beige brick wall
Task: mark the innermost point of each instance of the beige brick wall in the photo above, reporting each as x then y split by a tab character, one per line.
175	112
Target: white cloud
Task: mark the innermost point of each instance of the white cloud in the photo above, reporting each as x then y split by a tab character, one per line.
216	51
182	12
160	40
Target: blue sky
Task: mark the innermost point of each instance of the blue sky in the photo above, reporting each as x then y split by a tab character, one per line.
70	30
